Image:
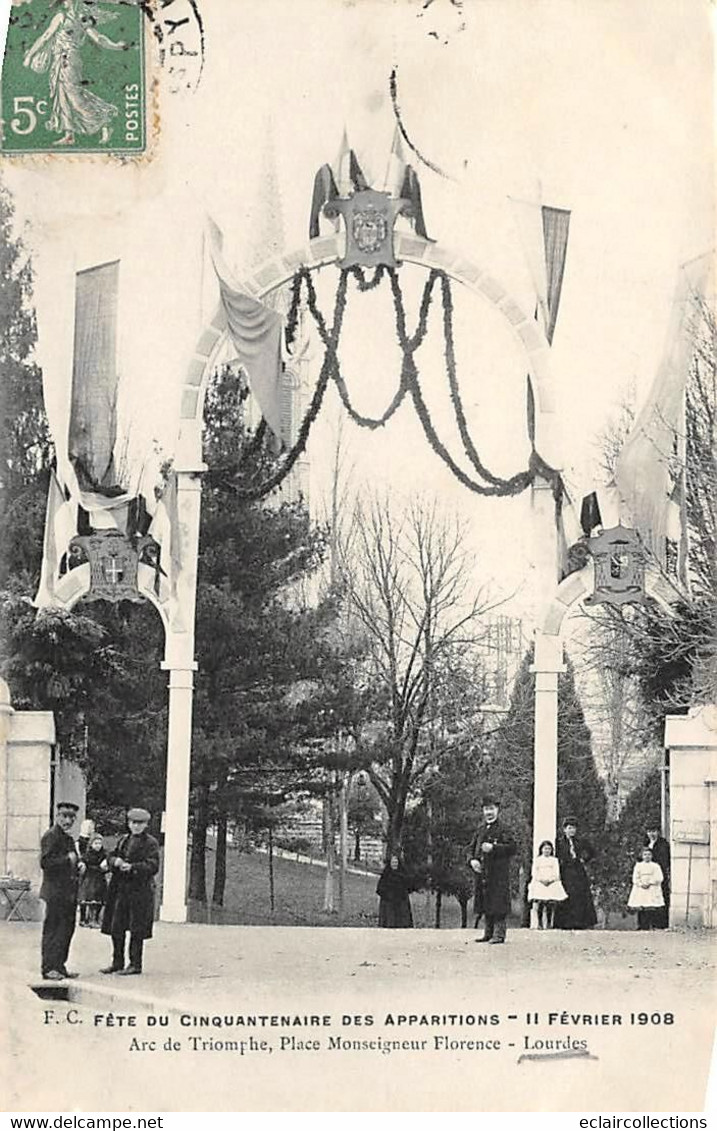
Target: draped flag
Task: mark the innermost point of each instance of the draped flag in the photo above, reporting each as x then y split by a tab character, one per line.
544	236
650	469
164	529
257	332
93	421
87	494
325	189
601	508
556	225
60	527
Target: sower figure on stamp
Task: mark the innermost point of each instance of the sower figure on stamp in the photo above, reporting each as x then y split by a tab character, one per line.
58	860
130	898
74	108
489	859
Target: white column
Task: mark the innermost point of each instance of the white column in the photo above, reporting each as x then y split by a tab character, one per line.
179	662
541	548
179	751
548	664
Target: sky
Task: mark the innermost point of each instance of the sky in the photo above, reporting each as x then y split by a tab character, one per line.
598	106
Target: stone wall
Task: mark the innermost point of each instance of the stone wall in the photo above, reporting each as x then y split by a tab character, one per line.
26	740
692	742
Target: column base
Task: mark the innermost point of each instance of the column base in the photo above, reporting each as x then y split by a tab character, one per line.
173	913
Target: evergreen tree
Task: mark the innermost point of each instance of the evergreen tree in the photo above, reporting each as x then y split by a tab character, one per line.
256	641
25	445
623	840
580	792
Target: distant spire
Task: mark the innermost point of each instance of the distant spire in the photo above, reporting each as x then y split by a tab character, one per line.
267	220
266	215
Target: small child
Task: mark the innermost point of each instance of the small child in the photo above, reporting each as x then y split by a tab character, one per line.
545	888
646	896
93	884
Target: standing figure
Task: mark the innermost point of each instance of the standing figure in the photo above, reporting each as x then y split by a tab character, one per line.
489	859
661	855
58	860
578	911
93	885
646	896
130	898
74	108
393	890
545	889
87	829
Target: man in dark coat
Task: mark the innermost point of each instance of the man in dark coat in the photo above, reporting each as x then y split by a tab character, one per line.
489	859
577	912
661	855
58	860
130	898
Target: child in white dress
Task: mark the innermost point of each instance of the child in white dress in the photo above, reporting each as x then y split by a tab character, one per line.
545	888
646	896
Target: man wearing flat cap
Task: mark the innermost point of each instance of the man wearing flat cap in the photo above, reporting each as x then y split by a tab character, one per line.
58	861
489	859
130	898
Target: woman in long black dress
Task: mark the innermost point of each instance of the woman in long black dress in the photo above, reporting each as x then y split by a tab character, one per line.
393	890
577	912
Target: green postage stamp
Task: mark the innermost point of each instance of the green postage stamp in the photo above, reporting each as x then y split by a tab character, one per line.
73	77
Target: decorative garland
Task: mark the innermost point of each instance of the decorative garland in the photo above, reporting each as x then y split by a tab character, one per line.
409	382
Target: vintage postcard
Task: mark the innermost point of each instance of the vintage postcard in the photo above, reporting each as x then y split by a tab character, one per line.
357	578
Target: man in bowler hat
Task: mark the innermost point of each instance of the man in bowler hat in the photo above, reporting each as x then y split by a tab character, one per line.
130	898
489	859
58	861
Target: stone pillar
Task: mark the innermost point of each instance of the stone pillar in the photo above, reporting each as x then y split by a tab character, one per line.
692	742
26	740
541	547
32	736
179	662
547	665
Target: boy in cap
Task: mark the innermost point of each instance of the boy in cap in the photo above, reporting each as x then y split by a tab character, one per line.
58	860
130	899
489	859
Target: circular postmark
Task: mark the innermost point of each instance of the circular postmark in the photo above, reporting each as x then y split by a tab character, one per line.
179	32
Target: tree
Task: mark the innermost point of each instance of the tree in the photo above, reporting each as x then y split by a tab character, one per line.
440	829
612	870
511	763
96	667
364	808
409	585
256	641
610	689
25	445
671	654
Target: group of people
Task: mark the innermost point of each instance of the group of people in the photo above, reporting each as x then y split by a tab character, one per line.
559	889
116	891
